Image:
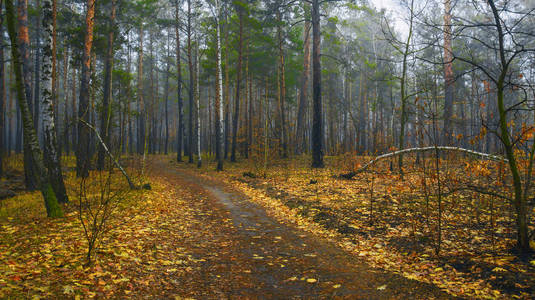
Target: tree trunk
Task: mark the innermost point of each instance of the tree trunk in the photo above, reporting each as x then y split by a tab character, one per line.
23	39
128	107
18	133
167	69
219	95
180	131
140	101
12	127
83	146
448	74
317	122
2	96
236	115
519	200
66	102
37	67
226	94
55	81
51	153
249	139
303	95
105	116
282	92
150	115
198	103
74	122
51	203
191	90
403	83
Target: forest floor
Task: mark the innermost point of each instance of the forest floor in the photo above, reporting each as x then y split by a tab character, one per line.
383	220
188	237
206	234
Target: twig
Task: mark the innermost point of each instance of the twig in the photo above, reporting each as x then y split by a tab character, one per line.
117	164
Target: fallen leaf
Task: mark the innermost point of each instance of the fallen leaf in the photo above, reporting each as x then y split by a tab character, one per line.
68	290
382	287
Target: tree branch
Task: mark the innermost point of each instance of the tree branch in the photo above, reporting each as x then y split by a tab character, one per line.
423	149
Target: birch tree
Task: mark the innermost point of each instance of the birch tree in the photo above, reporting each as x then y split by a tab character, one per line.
50	145
53	209
219	88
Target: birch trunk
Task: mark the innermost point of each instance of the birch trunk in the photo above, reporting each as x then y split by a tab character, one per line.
51	203
50	145
37	68
219	95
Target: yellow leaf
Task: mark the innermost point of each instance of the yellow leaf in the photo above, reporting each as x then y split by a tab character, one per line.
337	286
382	287
68	289
116	281
292	279
311	280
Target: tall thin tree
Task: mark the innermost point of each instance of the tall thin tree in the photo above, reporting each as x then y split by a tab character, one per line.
180	132
23	40
105	117
51	151
51	203
448	73
237	99
219	88
83	145
317	122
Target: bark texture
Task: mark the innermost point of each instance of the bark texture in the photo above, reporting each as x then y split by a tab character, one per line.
53	208
317	121
50	145
83	144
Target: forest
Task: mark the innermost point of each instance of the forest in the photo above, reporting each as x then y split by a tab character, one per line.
286	149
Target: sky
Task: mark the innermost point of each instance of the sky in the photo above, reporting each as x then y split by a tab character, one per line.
393	6
388	4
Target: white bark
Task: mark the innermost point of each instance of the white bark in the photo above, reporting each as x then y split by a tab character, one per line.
51	157
219	77
431	148
198	96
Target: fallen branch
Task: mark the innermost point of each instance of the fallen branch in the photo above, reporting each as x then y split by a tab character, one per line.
350	175
117	164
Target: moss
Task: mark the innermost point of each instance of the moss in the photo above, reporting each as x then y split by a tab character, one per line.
53	209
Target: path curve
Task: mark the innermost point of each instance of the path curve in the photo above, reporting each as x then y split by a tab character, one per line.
284	262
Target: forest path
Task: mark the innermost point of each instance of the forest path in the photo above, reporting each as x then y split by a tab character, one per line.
258	257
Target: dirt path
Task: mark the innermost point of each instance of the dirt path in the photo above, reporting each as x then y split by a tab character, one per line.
258	257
